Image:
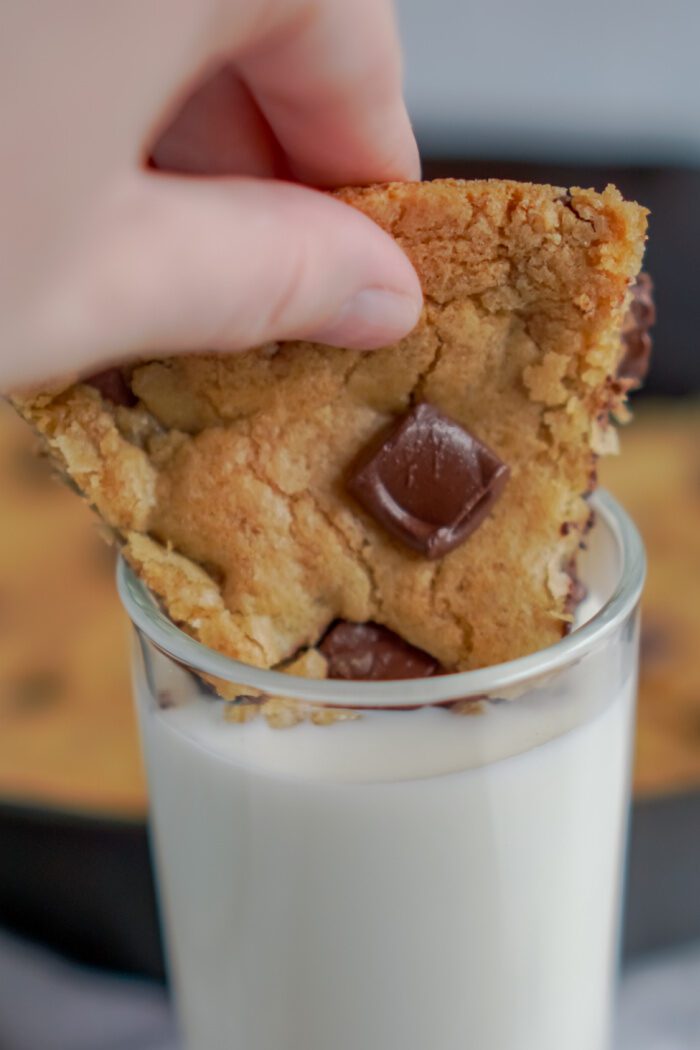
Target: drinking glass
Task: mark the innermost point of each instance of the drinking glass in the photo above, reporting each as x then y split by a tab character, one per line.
428	864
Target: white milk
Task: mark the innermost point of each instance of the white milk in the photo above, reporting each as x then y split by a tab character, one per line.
410	881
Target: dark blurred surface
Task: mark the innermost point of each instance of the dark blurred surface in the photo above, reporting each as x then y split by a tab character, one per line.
662	907
81	884
85	886
673	253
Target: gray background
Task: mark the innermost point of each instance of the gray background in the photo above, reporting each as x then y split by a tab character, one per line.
614	79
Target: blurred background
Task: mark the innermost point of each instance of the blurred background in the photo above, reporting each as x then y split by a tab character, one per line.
563	93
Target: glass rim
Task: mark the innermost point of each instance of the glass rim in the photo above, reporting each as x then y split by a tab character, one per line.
148	617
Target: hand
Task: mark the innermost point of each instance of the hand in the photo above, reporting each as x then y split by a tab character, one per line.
104	256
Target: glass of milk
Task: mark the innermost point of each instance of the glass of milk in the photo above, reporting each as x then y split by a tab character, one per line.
430	864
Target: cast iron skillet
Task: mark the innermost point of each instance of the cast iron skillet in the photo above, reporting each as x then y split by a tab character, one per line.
84	885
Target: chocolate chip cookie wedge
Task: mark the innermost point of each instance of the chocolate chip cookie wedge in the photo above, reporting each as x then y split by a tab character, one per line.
435	487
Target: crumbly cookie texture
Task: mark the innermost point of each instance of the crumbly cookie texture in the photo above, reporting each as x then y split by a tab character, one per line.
226	480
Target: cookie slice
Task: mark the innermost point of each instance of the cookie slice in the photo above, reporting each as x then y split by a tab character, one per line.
232	479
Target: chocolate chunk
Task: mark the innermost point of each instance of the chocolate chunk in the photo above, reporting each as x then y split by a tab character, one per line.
636	340
577	593
113	387
656	644
577	588
430	483
367	651
592	480
205	688
37	689
165	699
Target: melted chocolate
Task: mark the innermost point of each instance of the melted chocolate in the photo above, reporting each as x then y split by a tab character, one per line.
113	387
636	340
368	651
430	483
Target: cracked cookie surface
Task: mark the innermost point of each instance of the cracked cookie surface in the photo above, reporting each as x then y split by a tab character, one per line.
226	481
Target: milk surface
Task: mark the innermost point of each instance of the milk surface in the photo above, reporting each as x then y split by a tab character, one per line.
416	880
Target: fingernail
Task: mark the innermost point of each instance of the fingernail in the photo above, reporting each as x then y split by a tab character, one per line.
373	317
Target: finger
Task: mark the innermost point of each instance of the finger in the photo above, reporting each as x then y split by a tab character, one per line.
219	130
226	265
329	84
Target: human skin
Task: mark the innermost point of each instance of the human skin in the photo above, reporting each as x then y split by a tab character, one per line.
162	163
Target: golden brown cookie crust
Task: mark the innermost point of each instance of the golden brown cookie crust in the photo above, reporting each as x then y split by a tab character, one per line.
226	481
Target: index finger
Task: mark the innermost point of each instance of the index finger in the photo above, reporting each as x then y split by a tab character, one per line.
327	77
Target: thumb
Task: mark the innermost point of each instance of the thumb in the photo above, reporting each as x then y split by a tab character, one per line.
227	264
